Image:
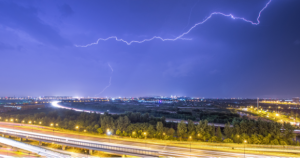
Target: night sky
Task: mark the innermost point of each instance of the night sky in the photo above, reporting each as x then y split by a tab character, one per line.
224	58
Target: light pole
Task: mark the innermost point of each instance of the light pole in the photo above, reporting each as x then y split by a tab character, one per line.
245	141
108	133
77	128
12	120
145	138
52	129
31	126
190	146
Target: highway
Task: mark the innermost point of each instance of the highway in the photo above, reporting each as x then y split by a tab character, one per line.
114	146
31	148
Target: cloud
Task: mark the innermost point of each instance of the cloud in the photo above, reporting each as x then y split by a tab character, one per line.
66	10
26	19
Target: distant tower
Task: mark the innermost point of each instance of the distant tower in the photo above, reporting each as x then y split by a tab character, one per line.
257	103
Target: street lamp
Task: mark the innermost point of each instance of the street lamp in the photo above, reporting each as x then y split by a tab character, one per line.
108	133
52	129
245	141
31	126
77	128
190	146
145	138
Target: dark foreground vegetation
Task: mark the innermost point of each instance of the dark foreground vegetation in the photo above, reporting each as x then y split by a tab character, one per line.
139	125
196	112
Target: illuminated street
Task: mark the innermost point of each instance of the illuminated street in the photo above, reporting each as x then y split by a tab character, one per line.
164	150
31	148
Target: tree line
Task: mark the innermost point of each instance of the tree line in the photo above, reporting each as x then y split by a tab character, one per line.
137	125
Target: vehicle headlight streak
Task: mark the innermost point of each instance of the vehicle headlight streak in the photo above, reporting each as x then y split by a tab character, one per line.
183	34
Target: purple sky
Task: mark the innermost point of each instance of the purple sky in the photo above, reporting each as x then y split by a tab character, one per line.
225	58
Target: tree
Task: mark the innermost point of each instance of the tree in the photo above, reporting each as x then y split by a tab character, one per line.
283	143
244	126
107	122
254	139
181	129
274	142
219	134
228	140
213	130
99	130
191	128
266	139
118	132
288	132
159	128
151	131
227	130
120	124
171	132
213	139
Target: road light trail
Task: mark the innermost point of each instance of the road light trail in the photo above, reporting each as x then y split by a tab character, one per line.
183	34
31	148
155	147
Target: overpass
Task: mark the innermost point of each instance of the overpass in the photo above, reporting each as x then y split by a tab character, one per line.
119	147
79	143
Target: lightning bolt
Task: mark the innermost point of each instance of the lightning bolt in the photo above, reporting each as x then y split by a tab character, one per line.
109	83
183	34
112	70
190	15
